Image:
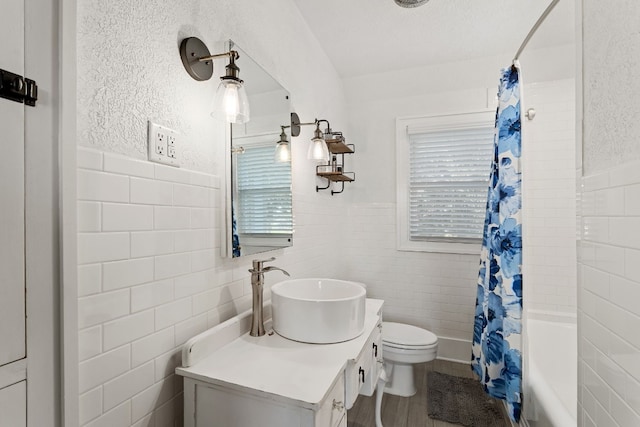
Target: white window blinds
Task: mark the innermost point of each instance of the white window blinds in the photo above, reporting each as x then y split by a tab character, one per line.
448	180
263	192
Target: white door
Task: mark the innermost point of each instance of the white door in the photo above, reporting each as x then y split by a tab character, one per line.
12	264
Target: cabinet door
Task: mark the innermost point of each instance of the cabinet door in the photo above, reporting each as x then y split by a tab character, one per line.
375	349
216	406
12	290
13	405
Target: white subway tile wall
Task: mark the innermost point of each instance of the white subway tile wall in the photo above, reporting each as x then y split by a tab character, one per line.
118	416
150	277
549	197
430	290
148	246
90	405
609	287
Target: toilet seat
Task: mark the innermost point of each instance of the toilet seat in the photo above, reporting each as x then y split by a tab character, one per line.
409	347
401	336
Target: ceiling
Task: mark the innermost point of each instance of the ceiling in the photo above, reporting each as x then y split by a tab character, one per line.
369	36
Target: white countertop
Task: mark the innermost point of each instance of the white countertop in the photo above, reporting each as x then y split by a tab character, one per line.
286	370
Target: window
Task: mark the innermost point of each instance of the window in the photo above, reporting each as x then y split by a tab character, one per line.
443	167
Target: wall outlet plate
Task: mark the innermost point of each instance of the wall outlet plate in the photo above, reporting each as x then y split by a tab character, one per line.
162	144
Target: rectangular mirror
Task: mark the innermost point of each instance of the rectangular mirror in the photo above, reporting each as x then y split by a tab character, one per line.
259	201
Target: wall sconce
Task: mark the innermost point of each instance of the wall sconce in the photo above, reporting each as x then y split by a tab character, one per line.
327	146
318	150
230	102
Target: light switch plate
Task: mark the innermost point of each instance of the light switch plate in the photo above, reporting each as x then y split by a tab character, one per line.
163	144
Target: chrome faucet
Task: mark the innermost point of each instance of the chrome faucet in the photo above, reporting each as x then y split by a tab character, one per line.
257	285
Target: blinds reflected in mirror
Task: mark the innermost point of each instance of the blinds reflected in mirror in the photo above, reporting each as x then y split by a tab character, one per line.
263	192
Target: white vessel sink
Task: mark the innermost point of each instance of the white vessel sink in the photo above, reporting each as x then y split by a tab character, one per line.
318	311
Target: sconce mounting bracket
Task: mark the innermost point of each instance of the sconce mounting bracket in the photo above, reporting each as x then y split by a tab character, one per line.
191	50
295	124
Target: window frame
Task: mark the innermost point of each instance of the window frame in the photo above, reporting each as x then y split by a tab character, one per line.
428	123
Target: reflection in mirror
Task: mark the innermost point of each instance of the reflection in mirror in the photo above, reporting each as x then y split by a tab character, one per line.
260	206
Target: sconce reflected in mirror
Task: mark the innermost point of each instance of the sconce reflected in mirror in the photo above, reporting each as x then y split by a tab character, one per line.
230	102
283	151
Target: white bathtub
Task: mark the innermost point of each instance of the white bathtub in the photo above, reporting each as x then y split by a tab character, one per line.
551	379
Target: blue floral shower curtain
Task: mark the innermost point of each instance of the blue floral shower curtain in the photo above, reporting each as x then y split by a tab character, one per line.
497	357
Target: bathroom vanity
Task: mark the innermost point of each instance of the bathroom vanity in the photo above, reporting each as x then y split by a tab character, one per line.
232	379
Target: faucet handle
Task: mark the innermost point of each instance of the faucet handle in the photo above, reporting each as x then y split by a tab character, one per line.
257	264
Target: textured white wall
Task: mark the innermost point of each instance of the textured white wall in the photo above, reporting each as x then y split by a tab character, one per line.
611	62
150	273
437	291
608	252
129	70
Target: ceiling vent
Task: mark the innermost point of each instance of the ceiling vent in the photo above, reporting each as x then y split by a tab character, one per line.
410	3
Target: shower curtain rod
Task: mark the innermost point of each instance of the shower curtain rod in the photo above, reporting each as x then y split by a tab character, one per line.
535	27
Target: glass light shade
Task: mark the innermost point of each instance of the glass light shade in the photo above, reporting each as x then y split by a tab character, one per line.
283	152
230	102
318	150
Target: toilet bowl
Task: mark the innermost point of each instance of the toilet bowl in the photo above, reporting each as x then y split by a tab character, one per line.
402	347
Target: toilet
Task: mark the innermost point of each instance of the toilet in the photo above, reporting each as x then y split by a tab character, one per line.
403	346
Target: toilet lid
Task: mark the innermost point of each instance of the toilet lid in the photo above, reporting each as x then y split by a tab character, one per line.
407	335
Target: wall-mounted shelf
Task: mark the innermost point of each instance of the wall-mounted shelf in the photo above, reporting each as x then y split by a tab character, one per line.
337	146
337	176
333	171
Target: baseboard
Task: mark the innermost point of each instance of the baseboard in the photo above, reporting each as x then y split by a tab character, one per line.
551	316
454	349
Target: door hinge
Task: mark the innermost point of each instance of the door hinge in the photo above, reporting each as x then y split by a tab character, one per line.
17	88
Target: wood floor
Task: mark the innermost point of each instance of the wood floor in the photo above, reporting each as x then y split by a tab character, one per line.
407	411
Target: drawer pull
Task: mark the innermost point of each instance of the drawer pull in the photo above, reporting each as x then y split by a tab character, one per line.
361	374
375	350
338	405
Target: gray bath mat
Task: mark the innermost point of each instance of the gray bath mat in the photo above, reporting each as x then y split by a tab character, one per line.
461	401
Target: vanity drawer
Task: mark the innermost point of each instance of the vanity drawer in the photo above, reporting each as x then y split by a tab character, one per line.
333	410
